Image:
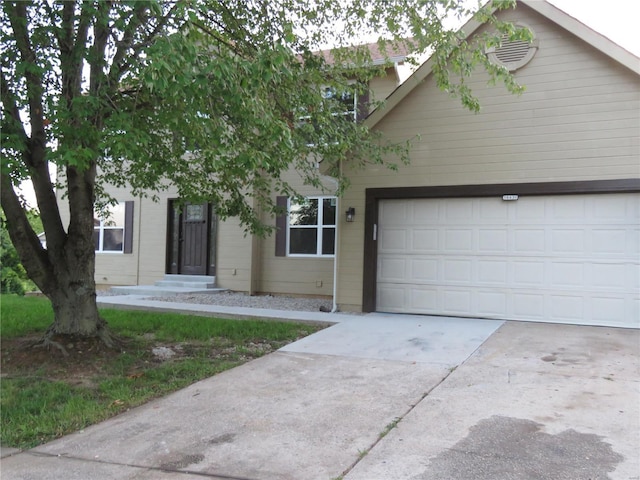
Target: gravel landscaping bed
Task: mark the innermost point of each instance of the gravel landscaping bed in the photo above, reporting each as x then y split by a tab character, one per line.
236	299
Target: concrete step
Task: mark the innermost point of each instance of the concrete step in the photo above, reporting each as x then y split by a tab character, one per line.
176	283
190	278
155	291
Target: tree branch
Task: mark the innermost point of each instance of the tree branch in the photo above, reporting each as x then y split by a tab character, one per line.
73	85
101	33
33	155
120	66
122	47
70	73
12	112
18	18
32	256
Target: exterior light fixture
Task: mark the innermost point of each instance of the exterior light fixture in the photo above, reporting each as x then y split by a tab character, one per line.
350	213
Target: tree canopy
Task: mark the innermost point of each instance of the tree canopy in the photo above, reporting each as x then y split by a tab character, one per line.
209	96
138	87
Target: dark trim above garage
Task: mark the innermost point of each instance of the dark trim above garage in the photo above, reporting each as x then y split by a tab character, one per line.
374	195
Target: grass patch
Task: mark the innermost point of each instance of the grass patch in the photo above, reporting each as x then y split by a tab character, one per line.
44	395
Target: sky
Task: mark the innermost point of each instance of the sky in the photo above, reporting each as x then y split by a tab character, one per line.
615	19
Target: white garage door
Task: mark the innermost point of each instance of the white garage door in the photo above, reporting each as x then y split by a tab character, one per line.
565	258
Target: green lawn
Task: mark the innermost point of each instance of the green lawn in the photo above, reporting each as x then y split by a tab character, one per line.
44	395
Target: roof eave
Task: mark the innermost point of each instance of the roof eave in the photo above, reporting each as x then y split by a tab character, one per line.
585	33
561	18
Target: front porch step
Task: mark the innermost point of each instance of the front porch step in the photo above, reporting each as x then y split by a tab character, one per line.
190	278
172	285
154	291
175	283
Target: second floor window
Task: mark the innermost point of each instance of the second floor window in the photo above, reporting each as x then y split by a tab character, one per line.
345	102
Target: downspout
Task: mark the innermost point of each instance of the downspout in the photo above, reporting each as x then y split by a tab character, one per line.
334	308
139	239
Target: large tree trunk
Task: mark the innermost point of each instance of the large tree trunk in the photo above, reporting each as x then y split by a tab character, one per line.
73	295
64	272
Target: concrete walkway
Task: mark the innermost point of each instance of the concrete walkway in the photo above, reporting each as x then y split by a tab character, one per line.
383	397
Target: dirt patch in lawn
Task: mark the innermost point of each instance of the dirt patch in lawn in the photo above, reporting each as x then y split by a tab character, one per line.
88	359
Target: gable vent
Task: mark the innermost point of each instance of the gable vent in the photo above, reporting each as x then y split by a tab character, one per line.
515	51
513	54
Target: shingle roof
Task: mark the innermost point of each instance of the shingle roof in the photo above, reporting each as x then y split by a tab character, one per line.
393	52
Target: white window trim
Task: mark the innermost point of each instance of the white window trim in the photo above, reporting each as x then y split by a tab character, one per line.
353	114
318	227
101	229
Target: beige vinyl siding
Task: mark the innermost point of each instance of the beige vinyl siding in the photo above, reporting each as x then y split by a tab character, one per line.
579	119
295	275
381	87
152	239
298	276
233	270
111	268
147	262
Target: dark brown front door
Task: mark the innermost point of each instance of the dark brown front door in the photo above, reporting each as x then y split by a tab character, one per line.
193	243
191	239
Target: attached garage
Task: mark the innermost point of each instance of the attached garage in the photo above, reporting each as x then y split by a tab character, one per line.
570	258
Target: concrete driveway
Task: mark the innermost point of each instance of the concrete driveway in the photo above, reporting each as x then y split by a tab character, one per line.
380	397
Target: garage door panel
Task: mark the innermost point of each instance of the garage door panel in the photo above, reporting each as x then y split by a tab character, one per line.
458	240
571	209
457	271
393	297
487	211
528	306
493	241
568	275
492	272
456	301
394	239
568	242
426	214
426	240
531	211
393	269
634	244
529	241
425	270
633	279
528	273
568	258
608	309
566	308
610	242
612	277
614	208
492	304
458	209
395	213
424	299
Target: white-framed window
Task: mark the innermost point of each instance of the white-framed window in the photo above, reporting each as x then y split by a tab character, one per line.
311	227
343	104
108	231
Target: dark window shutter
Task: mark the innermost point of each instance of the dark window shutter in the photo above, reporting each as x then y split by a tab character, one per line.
128	227
281	229
363	103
